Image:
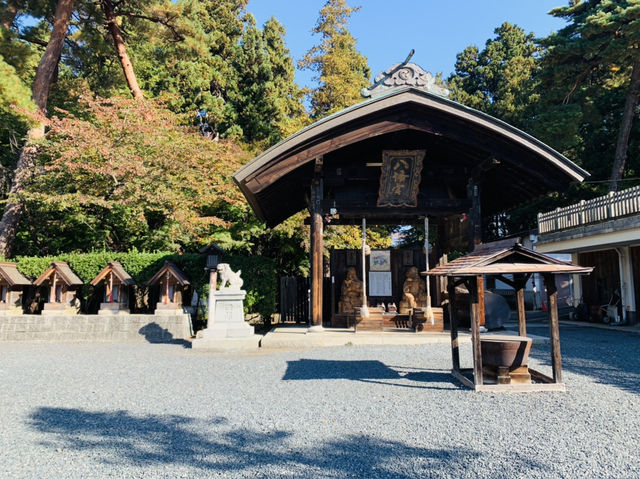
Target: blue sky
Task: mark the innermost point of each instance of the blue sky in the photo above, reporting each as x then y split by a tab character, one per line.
387	30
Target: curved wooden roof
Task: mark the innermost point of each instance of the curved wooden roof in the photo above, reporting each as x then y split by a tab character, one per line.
275	183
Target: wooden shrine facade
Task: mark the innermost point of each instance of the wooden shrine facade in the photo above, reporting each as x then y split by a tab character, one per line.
396	158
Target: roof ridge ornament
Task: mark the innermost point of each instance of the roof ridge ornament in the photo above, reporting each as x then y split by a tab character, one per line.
401	75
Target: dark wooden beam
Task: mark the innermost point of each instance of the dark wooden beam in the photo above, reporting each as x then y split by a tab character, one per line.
475	215
317	247
554	330
453	320
474	290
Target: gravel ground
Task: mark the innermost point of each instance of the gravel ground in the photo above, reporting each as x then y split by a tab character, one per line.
150	410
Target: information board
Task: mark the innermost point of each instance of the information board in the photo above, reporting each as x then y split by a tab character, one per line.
380	283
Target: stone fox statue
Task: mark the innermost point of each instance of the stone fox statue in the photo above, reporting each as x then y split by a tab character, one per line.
229	279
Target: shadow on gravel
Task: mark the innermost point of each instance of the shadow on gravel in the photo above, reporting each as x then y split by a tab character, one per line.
121	440
154	334
366	371
609	357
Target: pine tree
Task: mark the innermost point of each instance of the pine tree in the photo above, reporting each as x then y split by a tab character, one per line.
600	46
342	71
24	171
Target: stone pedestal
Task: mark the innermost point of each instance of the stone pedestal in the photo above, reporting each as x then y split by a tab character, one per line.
227	329
69	306
113	308
168	309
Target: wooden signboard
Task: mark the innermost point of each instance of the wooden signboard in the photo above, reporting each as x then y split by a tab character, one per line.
400	178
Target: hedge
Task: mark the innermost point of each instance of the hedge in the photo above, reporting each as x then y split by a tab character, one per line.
258	273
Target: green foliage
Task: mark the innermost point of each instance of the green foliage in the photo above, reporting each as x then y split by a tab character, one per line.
586	71
500	79
260	280
342	71
129	176
15	104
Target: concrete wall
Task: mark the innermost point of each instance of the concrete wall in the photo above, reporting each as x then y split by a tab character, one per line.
94	328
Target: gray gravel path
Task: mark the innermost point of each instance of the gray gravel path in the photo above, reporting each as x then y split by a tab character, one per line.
150	410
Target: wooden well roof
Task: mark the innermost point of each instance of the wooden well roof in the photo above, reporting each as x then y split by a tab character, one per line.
173	271
505	257
64	273
9	272
118	270
460	143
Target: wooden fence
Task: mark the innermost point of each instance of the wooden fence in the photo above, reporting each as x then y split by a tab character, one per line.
614	205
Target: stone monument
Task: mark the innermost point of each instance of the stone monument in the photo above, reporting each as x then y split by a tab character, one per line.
226	328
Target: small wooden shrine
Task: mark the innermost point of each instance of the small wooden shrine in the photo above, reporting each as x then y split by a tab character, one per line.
12	284
173	289
63	286
117	287
500	362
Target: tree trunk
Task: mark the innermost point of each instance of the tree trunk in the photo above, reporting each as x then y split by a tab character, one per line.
121	49
622	144
29	154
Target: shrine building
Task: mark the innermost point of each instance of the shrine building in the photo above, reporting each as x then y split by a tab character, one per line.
404	155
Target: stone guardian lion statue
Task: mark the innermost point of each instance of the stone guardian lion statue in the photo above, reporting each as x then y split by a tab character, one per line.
228	278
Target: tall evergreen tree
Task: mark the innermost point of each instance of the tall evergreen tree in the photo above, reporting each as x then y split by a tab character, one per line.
342	71
499	80
600	46
253	100
47	69
291	115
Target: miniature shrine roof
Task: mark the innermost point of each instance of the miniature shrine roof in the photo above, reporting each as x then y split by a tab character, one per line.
505	257
64	273
173	270
118	270
511	166
9	272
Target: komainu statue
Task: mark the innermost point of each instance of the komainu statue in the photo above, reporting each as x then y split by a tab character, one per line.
351	292
228	278
414	292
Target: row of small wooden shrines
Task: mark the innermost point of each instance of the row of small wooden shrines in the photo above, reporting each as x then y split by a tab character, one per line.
62	287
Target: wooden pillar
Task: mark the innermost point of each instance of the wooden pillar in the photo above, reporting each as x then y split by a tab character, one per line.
475	215
554	331
213	285
453	319
52	293
473	286
317	247
520	282
480	283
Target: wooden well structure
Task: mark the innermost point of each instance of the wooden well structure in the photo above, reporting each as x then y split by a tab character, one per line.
404	154
512	264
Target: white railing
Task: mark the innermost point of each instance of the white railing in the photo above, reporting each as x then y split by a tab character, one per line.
614	205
